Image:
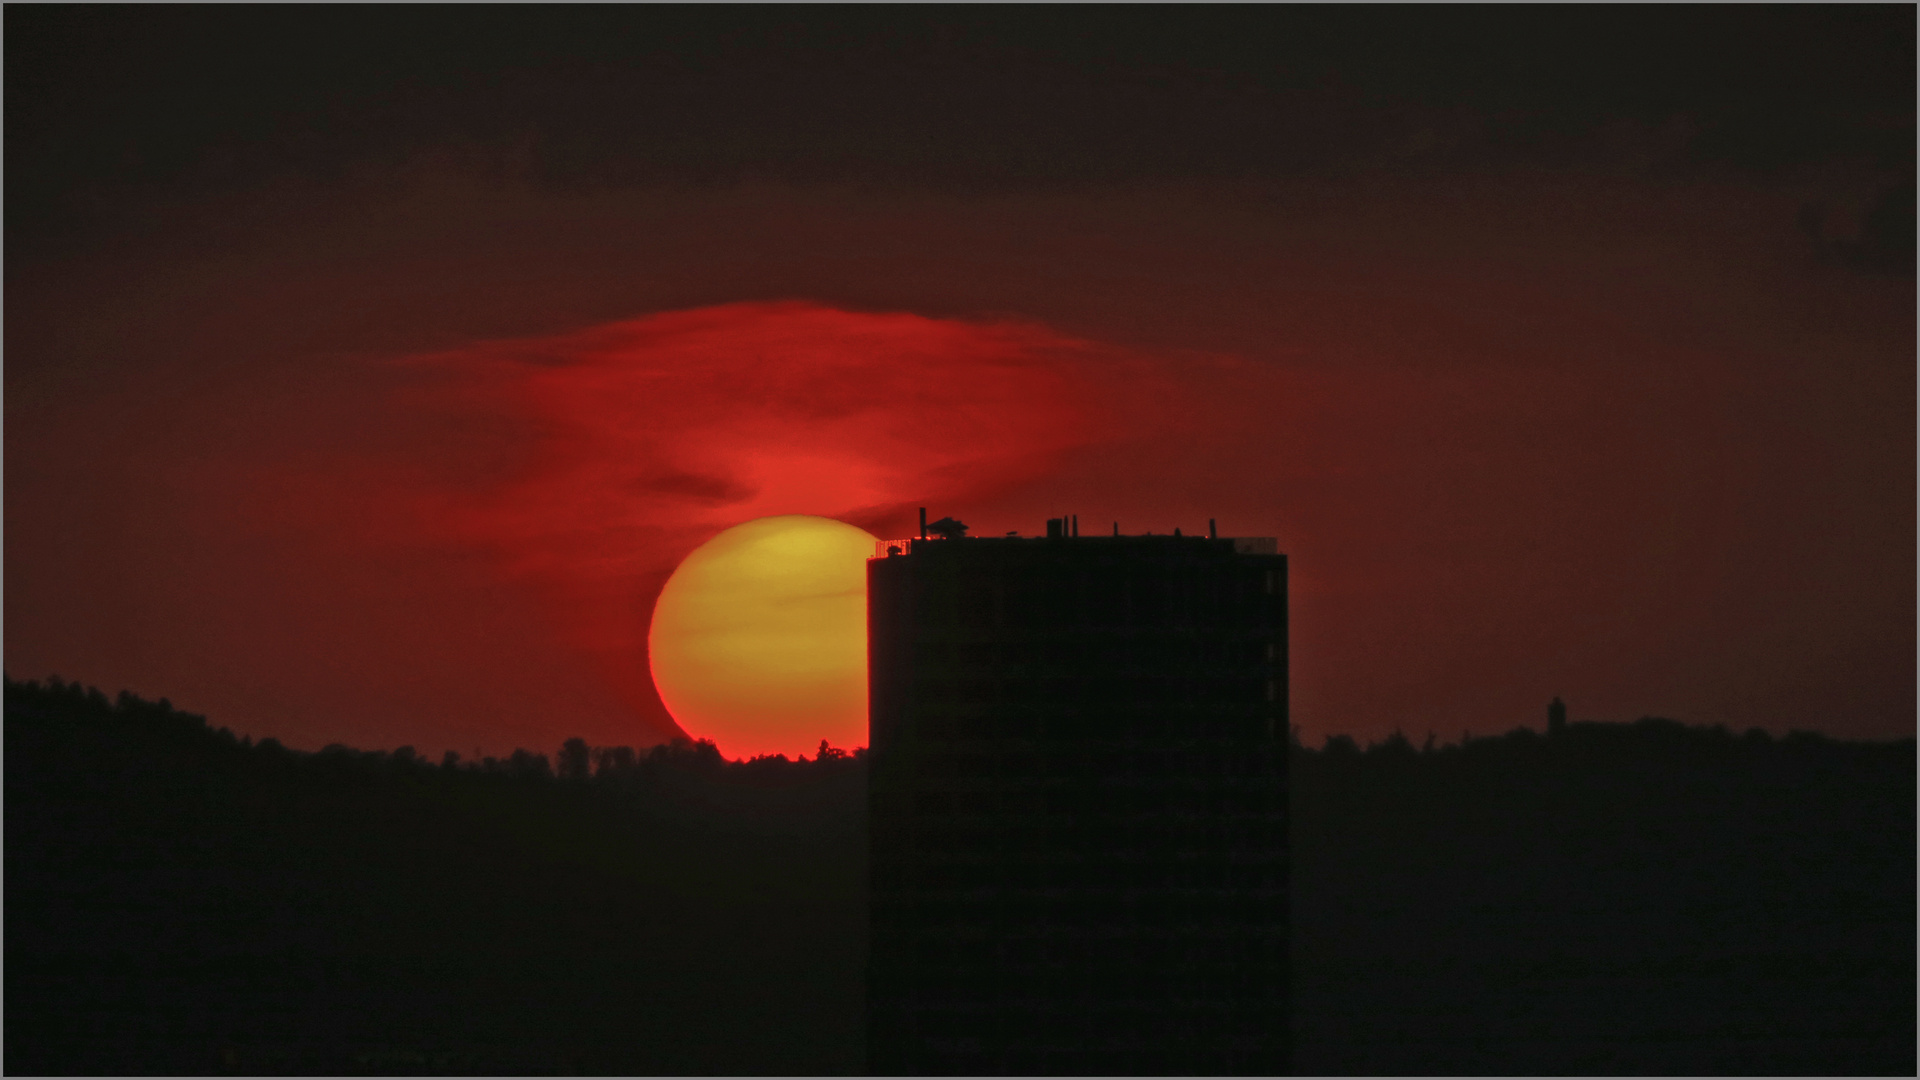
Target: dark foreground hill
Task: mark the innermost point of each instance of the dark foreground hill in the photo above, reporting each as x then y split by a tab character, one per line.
1621	899
1643	898
179	902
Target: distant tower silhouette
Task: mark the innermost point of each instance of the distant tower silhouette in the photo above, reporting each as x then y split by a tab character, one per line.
1078	794
1556	717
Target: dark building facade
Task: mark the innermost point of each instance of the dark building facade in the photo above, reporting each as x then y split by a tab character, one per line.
1079	806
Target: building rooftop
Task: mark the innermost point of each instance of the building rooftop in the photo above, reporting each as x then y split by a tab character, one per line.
1061	530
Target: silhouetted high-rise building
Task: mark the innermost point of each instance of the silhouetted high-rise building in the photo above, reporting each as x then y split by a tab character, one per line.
1079	809
1556	717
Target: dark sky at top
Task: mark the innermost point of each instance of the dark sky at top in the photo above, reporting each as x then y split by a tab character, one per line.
369	368
104	103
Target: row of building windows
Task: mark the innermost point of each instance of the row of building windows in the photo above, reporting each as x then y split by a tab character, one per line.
1046	879
1124	785
1046	596
1183	775
975	1048
1050	803
1104	1054
1095	688
995	896
1148	725
1239	998
1097	956
1105	812
1211	987
1252	865
1105	651
1107	916
940	865
1249	838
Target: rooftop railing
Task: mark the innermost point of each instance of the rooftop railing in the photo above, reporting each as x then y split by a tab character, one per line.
1242	545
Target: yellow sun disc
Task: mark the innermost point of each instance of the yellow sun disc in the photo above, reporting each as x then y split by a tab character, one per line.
759	640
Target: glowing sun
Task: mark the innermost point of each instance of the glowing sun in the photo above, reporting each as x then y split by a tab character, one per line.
759	640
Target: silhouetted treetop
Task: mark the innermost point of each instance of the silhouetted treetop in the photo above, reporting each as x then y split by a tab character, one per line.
142	726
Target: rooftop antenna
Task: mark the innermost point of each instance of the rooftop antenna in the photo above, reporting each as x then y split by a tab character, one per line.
923	523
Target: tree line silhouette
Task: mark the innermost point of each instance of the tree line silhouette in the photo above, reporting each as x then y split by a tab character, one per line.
1588	739
183	899
130	715
1623	899
1615	898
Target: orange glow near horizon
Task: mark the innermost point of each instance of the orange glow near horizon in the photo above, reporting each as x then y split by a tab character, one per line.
759	640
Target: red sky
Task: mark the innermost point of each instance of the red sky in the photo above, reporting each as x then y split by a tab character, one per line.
412	472
402	456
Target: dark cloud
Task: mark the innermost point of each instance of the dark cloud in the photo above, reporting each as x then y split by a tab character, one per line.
106	103
707	489
1886	240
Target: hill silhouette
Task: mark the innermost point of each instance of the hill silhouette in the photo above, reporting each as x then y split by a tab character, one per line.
179	900
1617	899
